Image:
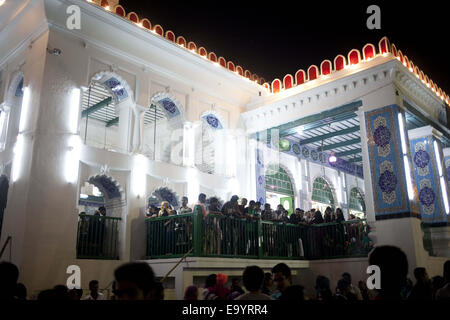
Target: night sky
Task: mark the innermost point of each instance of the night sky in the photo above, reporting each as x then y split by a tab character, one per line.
273	38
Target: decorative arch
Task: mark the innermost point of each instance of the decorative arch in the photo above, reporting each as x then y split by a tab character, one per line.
159	30
276	86
120	10
212	56
248	74
369	51
170	35
192	46
202	52
146	24
313	72
213	119
326	67
384	45
356	201
113	194
223	62
116	86
280	181
181	41
167	102
288	81
354	57
322	191
163	194
300	77
339	62
240	71
133	17
230	66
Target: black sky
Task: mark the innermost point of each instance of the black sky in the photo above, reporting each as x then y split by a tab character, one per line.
273	38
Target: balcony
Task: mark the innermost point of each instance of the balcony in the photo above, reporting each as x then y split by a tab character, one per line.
218	236
98	237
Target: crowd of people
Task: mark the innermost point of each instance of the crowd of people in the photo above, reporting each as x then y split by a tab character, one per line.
241	208
136	281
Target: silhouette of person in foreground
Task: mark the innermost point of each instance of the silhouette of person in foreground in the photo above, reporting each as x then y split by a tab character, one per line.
393	266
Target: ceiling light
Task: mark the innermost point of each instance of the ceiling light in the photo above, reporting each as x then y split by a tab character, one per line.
332	158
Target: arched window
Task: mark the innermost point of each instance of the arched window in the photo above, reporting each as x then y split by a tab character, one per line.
279	188
100	207
322	194
357	204
99	125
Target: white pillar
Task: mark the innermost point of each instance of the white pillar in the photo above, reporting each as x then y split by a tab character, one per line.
125	115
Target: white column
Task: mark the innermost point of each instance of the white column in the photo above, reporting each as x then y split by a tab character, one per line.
125	115
138	132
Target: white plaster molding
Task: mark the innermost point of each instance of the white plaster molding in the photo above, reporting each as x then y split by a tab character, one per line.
425	131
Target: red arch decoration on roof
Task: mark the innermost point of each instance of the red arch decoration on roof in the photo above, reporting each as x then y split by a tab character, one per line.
146	24
248	74
354	57
427	80
369	51
261	81
133	17
202	52
313	72
255	77
230	66
400	55
394	50
240	71
384	45
422	76
325	67
300	77
406	62
159	30
266	85
339	62
223	62
181	41
212	56
170	36
417	71
288	81
104	3
120	10
192	46
276	86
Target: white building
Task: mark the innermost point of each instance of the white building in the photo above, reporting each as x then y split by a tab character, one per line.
126	107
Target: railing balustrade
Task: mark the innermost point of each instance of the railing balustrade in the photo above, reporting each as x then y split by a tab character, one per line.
220	236
98	237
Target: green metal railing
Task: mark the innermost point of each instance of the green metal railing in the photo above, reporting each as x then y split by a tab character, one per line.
98	237
219	236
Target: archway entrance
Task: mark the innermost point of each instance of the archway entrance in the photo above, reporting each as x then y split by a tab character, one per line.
322	195
356	205
279	188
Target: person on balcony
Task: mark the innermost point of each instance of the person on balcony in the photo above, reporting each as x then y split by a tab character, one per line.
184	207
242	206
267	212
200	207
213	232
165	209
231	210
328	215
317	218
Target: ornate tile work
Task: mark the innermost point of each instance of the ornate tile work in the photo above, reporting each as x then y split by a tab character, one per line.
213	122
117	88
426	177
388	180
